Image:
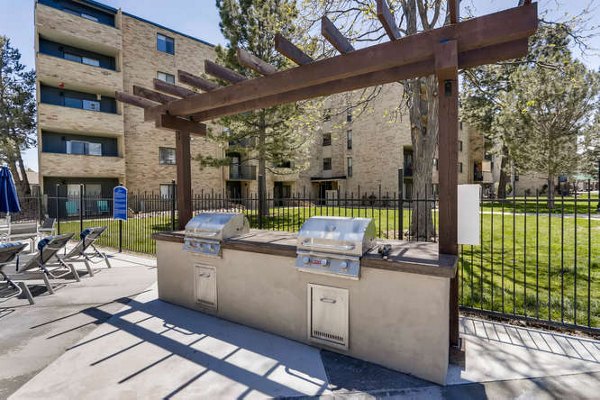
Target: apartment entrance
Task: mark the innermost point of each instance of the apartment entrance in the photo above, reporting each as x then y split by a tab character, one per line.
281	191
234	190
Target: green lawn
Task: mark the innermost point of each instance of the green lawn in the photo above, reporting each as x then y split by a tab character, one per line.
557	262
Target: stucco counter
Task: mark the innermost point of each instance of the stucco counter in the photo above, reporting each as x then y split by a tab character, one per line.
398	311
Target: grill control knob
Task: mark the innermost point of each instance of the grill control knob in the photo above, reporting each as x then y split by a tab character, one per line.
324	262
305	260
344	265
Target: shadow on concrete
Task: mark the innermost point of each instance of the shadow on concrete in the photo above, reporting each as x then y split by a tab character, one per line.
199	328
573	347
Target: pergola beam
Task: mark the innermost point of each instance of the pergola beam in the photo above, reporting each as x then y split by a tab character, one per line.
454	11
291	51
134	100
152	95
220	72
197	82
173	89
180	124
335	37
471	34
254	63
387	20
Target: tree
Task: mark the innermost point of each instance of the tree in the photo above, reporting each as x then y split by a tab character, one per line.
535	108
357	20
17	112
273	136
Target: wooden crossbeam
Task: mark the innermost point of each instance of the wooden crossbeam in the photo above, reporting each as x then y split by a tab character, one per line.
454	11
291	51
152	95
180	124
468	59
196	81
387	20
173	89
472	34
254	63
335	37
134	100
218	71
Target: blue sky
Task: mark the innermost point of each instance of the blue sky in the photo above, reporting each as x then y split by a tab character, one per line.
200	18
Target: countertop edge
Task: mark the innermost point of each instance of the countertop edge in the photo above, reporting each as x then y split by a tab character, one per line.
445	269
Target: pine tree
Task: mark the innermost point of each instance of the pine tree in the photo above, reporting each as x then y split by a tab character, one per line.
273	136
17	112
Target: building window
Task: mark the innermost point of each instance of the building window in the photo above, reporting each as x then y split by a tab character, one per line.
166	191
163	76
349	114
166	155
90	61
349	139
327	114
327	164
90	17
460	145
435	163
327	139
91	105
349	166
80	147
284	164
460	167
165	44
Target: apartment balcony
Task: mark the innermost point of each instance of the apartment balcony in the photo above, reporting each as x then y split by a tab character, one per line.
242	172
53	71
74	30
72	165
75	120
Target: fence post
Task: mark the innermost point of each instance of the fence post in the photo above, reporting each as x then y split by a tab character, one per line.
172	204
120	236
81	188
401	202
57	209
261	199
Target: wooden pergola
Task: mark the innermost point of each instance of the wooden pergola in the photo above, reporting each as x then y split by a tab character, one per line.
443	51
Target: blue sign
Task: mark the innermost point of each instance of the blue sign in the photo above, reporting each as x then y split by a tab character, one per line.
120	203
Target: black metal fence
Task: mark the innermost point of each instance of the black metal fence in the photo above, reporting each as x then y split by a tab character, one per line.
535	262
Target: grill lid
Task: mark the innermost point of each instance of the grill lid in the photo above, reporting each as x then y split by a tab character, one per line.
338	235
217	226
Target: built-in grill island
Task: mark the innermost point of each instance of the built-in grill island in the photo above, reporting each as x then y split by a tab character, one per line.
334	245
331	285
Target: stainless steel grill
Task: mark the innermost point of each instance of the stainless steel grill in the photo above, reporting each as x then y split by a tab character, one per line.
334	245
205	232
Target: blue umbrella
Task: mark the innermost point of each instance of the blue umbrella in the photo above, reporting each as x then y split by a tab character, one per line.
9	201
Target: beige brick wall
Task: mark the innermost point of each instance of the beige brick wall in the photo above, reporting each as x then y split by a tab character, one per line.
141	62
53	71
70	165
76	31
74	120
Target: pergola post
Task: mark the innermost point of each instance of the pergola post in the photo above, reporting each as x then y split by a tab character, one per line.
184	177
446	67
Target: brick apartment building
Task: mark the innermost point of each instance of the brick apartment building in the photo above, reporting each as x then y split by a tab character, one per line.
85	51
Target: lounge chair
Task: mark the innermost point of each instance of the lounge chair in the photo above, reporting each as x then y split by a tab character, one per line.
47	227
40	265
8	253
4	228
85	251
22	231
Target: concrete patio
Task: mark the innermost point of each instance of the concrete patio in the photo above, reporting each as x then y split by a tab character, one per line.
110	337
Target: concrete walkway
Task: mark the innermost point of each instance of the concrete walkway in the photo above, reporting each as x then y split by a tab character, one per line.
110	337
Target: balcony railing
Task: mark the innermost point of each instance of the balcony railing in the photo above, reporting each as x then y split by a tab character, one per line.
242	172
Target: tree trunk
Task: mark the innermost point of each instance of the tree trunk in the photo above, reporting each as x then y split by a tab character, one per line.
26	187
263	206
503	179
424	131
550	196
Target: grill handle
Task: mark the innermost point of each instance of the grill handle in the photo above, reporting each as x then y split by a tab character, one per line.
205	234
307	243
328	300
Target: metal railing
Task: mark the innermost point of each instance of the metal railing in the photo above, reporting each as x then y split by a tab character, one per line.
535	262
